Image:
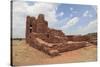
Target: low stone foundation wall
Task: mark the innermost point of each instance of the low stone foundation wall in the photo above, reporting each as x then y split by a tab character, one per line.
54	49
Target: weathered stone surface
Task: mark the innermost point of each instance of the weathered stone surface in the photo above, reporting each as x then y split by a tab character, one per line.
51	41
54	49
42	25
55	32
71	46
29	25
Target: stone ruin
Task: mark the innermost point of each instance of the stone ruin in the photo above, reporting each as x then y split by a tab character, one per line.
51	41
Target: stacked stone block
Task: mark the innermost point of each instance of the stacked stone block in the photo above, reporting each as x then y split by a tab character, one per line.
50	41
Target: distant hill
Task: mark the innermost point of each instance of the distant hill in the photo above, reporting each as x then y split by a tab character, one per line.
17	38
91	35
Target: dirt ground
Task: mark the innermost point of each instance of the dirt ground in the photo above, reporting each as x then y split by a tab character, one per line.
23	54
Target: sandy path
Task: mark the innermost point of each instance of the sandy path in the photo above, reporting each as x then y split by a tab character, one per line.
23	54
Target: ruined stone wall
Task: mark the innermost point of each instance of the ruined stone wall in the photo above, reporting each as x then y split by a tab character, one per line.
47	37
77	38
51	41
28	23
38	25
70	37
55	32
80	38
42	25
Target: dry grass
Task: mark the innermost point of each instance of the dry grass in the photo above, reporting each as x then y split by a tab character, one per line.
23	54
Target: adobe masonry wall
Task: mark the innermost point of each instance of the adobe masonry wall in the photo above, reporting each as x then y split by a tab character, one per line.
35	25
40	25
38	29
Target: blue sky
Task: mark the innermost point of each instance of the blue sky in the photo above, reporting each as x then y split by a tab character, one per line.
72	19
73	10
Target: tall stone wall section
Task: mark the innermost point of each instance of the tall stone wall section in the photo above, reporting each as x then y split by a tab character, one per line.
38	25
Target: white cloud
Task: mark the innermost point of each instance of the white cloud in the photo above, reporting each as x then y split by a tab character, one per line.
21	9
71	8
61	14
90	28
49	10
90	15
19	12
86	13
70	23
95	8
